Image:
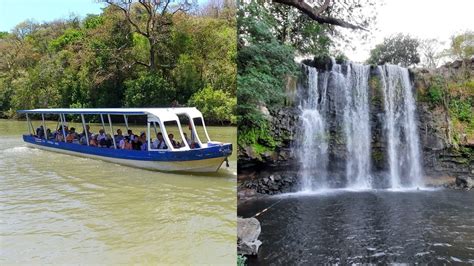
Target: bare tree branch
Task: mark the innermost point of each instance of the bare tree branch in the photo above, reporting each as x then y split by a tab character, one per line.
315	13
129	17
322	8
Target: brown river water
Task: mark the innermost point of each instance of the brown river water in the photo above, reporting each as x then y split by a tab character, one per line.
57	208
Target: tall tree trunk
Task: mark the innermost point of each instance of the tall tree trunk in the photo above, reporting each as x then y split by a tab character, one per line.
152	56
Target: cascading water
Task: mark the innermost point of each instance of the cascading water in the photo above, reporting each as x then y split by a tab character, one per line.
401	128
357	127
338	101
355	120
312	152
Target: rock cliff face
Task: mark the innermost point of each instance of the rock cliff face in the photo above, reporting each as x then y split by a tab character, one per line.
447	150
440	156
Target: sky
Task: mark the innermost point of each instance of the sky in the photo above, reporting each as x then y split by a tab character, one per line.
13	12
424	19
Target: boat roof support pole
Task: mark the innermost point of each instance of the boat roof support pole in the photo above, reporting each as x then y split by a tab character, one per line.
148	137
126	121
63	120
32	128
194	134
102	120
205	129
85	130
28	123
44	127
57	124
111	131
154	125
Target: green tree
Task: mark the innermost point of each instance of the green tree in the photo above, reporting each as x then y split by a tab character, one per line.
462	46
299	31
263	63
149	90
95	62
152	20
398	49
215	105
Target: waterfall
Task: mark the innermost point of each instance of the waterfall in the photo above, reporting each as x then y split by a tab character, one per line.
400	126
335	118
357	126
312	151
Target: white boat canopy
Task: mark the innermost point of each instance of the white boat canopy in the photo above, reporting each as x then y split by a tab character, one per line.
154	115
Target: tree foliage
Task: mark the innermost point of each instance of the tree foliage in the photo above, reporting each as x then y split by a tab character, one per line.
92	62
398	49
263	62
270	36
216	104
462	46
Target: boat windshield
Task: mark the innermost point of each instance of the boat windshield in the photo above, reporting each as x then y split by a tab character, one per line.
175	135
200	130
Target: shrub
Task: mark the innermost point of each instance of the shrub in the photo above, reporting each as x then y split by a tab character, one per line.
461	109
215	105
149	90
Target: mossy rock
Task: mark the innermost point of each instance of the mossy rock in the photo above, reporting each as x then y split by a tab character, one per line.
378	156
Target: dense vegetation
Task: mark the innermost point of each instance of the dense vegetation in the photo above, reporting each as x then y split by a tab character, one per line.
270	37
186	58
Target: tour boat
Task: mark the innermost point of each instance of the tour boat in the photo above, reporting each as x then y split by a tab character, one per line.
195	154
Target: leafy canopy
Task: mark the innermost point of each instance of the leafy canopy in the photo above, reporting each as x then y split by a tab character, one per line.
399	49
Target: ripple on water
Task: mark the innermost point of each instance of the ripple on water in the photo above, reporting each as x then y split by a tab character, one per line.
83	206
365	227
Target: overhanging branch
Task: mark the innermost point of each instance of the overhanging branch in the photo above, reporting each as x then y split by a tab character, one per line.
314	14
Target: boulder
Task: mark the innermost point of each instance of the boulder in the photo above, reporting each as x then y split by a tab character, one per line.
465	181
248	230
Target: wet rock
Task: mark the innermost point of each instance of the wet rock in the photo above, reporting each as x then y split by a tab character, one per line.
464	181
271	183
248	230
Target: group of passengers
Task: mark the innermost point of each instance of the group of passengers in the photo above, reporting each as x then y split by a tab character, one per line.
103	140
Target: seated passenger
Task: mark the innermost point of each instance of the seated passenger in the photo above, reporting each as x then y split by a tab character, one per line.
83	140
119	137
173	142
72	135
108	141
40	132
187	140
130	134
194	145
144	142
59	136
83	134
125	144
136	143
101	136
49	135
159	143
93	141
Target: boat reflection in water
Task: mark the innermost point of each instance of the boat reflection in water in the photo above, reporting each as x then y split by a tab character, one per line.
197	154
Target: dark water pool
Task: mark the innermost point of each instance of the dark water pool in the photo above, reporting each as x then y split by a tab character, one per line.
365	227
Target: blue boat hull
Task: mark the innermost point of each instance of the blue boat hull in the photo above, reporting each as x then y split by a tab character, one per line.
207	159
